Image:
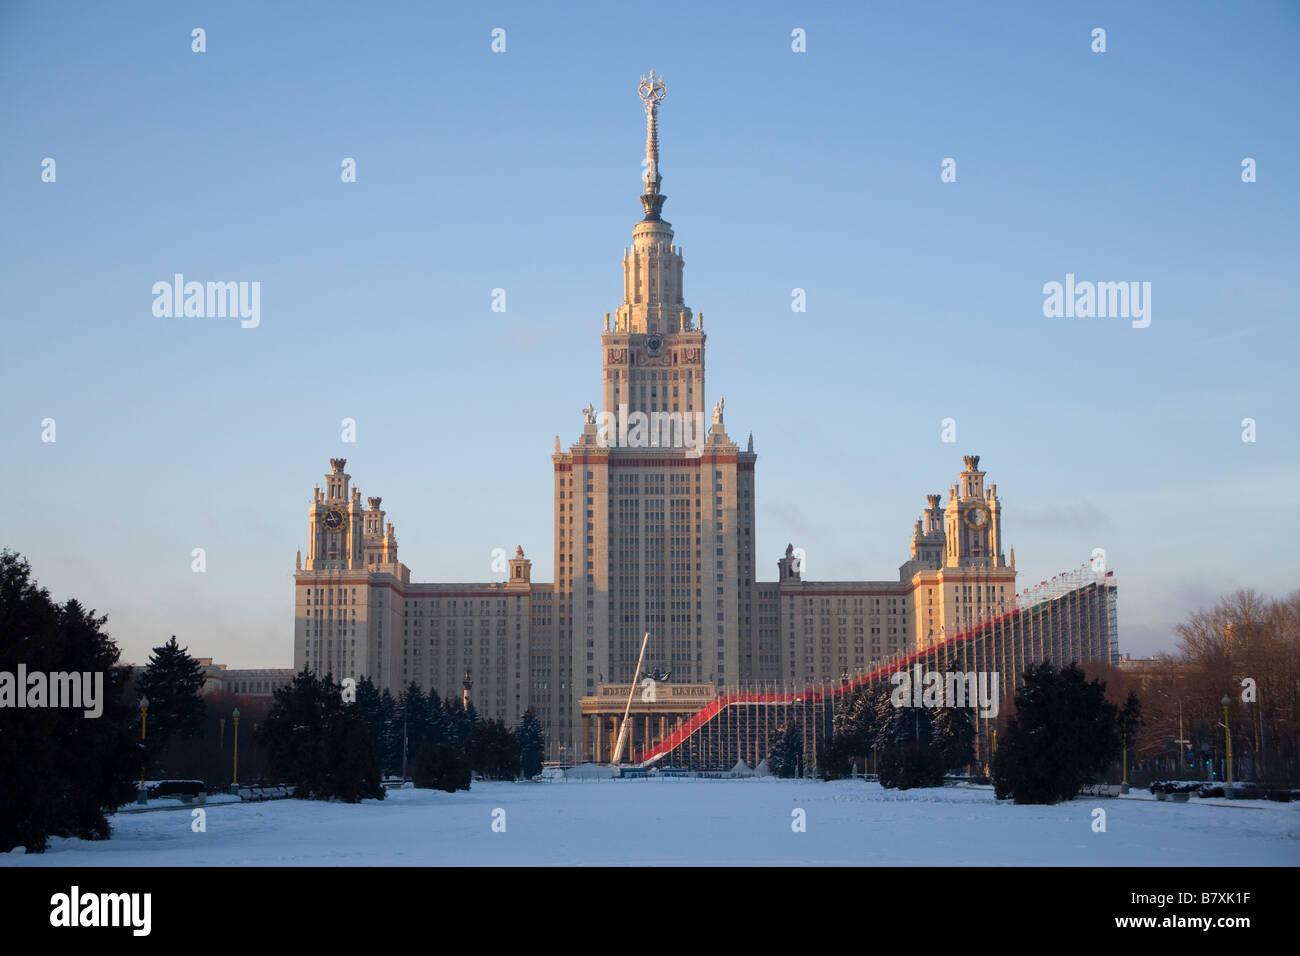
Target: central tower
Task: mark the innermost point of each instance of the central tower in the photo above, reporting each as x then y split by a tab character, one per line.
653	328
654	521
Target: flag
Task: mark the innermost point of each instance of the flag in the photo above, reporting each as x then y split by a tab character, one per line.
1110	574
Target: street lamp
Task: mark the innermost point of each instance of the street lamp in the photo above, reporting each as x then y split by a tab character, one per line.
1227	736
1182	741
141	795
234	783
1123	784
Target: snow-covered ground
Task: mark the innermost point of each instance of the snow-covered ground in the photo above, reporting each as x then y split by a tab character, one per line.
689	821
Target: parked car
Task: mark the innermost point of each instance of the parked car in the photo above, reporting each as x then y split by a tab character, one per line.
184	789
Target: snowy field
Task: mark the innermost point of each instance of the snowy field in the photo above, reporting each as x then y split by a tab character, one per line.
687	821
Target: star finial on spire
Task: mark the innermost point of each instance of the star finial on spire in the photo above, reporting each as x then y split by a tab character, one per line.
652	90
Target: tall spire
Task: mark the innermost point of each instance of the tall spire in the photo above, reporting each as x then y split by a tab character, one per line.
652	266
652	90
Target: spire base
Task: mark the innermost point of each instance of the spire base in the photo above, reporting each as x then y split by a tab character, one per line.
653	204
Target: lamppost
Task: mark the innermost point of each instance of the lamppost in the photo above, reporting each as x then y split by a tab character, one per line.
405	716
234	783
1227	736
1182	741
1123	760
141	795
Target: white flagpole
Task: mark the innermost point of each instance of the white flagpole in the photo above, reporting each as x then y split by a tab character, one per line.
622	731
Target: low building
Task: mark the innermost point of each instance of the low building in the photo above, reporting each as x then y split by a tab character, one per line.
246	682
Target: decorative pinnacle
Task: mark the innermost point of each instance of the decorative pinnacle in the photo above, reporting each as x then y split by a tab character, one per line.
652	90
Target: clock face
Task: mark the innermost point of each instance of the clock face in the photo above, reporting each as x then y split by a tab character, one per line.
654	343
334	520
977	517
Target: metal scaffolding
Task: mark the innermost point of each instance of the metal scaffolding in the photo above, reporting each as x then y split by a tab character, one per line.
1071	618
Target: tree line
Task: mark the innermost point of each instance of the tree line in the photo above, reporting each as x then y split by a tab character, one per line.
909	746
62	773
1062	734
333	742
1244	647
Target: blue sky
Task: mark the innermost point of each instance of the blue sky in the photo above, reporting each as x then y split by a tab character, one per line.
520	171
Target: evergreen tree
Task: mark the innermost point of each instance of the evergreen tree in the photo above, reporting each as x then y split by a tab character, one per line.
907	754
437	718
293	732
460	722
441	766
786	758
351	767
853	731
835	758
532	744
377	711
389	746
493	751
1129	721
413	722
318	743
954	729
855	718
1062	734
60	771
172	682
369	705
954	736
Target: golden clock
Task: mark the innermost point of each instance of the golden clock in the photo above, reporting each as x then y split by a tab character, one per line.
977	517
334	519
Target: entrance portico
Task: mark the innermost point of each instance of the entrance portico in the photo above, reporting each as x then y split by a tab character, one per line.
657	710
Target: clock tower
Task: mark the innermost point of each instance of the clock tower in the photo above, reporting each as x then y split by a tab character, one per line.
342	589
654	353
959	573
